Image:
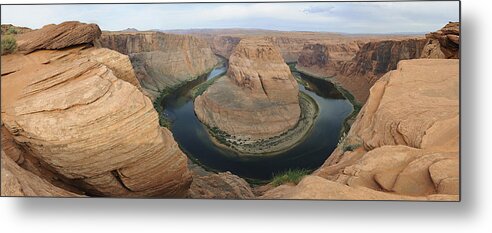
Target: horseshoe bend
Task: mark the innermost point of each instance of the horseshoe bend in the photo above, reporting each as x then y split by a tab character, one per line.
229	113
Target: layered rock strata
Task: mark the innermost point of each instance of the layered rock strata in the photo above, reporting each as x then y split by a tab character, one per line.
359	73
223	185
162	61
325	60
80	112
59	36
404	143
17	181
257	99
444	43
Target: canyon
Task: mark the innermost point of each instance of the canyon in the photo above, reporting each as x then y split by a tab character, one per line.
401	146
258	98
373	59
290	44
358	73
162	62
79	118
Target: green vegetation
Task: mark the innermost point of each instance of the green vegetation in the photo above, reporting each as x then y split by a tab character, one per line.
356	105
163	120
299	80
349	143
289	176
9	44
292	66
11	31
220	135
199	89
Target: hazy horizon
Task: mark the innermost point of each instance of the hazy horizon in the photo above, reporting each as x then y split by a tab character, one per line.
336	17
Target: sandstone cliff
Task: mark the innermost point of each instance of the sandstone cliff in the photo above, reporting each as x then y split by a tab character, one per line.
404	143
290	46
257	99
162	61
325	60
445	43
359	73
79	111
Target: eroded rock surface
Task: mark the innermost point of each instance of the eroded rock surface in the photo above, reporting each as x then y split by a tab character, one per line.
444	43
17	181
162	61
258	98
369	63
59	36
79	110
403	142
223	185
325	60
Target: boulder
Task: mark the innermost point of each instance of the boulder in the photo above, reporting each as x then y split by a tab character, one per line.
223	185
59	36
444	43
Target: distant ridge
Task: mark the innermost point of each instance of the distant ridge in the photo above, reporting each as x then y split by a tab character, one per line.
130	30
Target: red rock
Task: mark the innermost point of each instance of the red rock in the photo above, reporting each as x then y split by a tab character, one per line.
58	36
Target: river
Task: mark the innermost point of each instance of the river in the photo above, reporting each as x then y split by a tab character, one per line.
310	154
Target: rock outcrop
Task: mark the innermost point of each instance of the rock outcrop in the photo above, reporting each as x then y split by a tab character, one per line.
257	99
79	110
223	185
7	29
358	74
405	141
444	44
17	181
59	36
162	61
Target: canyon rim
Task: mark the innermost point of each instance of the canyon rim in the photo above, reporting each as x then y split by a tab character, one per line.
168	110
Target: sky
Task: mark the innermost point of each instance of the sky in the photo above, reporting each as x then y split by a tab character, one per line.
345	17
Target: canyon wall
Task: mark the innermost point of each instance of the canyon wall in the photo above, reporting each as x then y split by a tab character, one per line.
79	111
258	98
324	60
404	143
290	46
358	73
162	61
375	58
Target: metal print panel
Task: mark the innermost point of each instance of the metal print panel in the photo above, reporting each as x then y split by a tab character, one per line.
291	100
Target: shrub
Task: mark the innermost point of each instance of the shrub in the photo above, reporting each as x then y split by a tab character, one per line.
8	45
349	143
163	120
289	176
11	31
